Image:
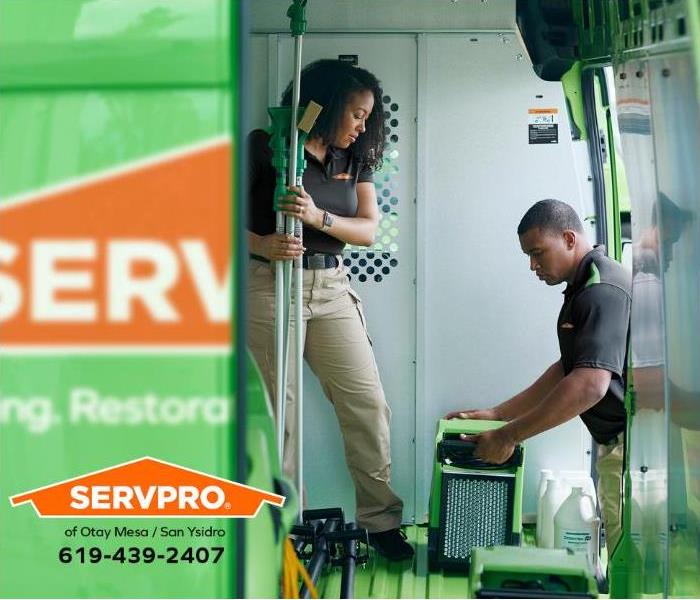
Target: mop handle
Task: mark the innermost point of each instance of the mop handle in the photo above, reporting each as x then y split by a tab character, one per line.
298	26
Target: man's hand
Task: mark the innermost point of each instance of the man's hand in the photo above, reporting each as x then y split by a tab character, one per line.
493	446
486	414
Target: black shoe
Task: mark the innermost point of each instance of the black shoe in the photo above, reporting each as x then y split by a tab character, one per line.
391	544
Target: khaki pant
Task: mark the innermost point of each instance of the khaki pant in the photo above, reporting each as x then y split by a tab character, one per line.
339	352
609	466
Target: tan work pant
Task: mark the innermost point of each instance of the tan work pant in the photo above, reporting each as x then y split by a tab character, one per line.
609	466
339	352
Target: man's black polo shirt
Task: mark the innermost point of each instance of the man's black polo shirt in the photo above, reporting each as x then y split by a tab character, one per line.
593	326
332	185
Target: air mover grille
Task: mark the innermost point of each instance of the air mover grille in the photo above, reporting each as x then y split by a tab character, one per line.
477	511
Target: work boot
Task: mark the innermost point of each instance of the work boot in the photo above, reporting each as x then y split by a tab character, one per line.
391	544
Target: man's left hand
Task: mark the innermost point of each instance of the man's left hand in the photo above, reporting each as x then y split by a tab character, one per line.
493	446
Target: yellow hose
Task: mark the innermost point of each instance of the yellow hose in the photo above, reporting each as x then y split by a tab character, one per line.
292	570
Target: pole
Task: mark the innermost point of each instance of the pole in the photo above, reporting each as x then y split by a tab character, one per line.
298	27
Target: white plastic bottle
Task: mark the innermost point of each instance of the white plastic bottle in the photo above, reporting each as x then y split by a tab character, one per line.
545	476
553	498
582	479
576	525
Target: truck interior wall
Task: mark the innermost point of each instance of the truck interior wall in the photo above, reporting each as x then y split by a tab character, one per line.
348	16
459	320
494	331
660	132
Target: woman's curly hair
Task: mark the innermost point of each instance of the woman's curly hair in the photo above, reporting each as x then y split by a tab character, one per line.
330	83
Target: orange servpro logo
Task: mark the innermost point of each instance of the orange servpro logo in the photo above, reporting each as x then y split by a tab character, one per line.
147	487
138	255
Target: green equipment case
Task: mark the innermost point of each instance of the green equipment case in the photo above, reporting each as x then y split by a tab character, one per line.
472	503
504	572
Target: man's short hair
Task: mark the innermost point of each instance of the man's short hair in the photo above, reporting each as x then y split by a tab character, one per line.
551	215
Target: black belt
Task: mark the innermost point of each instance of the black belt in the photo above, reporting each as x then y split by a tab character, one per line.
310	261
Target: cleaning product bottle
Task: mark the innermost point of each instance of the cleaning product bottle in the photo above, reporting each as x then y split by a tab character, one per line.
580	478
553	497
545	476
576	525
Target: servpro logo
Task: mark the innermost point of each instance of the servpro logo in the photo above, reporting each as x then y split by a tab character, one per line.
147	487
139	255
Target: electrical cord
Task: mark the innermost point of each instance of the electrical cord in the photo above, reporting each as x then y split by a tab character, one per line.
292	570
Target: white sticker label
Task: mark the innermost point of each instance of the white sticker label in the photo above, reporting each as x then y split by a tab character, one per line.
543	116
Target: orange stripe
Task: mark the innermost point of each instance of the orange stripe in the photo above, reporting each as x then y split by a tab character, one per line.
183	198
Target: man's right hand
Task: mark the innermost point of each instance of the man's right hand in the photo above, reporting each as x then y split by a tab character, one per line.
484	414
278	246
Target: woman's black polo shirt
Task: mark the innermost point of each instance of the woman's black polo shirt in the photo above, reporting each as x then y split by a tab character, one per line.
332	185
593	329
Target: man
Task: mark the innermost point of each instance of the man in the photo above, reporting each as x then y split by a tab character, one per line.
588	379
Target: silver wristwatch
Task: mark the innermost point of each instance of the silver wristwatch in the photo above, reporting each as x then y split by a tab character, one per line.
327	220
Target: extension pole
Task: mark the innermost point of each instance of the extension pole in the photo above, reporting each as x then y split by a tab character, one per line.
298	26
298	292
280	354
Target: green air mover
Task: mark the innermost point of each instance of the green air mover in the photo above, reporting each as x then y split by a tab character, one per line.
530	573
472	503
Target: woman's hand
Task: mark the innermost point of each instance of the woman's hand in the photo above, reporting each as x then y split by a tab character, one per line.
278	246
300	204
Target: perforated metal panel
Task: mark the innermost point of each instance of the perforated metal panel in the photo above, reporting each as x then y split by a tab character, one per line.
377	262
477	510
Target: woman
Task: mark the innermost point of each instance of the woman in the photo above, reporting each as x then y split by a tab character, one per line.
337	205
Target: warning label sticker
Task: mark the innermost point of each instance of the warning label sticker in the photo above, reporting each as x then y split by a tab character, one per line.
543	125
